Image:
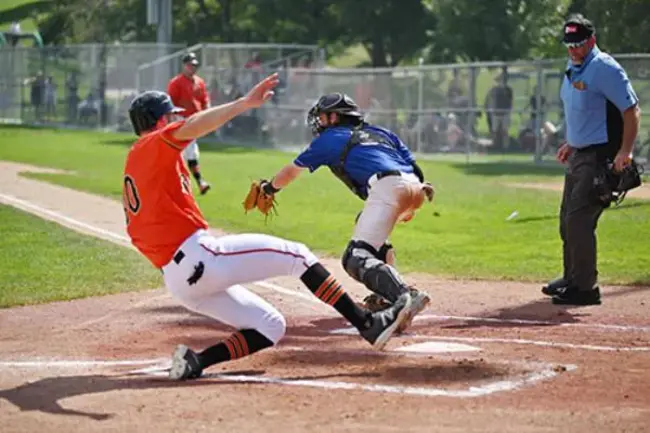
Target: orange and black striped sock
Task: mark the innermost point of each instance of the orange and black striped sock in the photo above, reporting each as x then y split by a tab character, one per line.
241	343
326	288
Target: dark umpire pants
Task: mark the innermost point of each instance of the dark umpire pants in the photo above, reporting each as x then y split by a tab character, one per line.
579	214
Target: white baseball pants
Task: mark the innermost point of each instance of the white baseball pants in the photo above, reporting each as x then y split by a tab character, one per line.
227	262
191	152
390	199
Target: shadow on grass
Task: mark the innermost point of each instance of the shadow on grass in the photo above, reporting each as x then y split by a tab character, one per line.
555	217
502	168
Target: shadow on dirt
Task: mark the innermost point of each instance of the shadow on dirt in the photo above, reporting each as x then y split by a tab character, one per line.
45	395
539	313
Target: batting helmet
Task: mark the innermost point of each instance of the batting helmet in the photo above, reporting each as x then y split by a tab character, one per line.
148	107
333	103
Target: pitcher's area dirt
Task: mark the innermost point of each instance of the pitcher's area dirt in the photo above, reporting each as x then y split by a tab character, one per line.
527	365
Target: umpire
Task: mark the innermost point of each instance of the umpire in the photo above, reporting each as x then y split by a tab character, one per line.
602	120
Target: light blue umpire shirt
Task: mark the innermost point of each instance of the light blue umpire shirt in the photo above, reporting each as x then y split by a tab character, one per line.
586	91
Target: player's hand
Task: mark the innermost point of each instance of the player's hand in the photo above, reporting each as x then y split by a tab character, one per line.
564	152
621	161
262	92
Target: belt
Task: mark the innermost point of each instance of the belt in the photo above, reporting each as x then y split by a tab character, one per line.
178	257
382	174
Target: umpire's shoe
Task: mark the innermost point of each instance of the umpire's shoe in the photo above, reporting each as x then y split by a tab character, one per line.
385	322
185	364
573	296
555	287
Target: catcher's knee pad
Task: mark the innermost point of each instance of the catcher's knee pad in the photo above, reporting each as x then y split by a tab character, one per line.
361	262
387	254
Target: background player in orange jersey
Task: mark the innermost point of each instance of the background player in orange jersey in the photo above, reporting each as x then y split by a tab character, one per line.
187	90
204	272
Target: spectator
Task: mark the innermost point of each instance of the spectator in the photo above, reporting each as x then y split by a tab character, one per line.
72	96
37	91
498	105
50	97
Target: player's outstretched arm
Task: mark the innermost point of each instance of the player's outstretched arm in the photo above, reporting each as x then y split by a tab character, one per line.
204	122
284	177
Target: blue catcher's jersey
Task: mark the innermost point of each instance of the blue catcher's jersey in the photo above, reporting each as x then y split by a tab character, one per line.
379	150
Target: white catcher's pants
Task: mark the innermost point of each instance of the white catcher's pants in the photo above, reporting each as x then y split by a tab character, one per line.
229	261
390	199
191	152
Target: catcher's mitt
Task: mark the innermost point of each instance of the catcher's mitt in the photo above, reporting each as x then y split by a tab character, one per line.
257	198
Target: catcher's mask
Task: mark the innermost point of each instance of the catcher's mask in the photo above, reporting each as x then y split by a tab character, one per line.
148	107
339	103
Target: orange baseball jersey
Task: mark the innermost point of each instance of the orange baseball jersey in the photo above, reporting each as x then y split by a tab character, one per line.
188	93
161	211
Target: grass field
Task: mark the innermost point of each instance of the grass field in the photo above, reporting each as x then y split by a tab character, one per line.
463	234
40	261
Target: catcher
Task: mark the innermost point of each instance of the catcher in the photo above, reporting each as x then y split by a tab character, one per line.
376	166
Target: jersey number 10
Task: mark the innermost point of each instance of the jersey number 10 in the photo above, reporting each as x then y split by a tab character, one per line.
130	198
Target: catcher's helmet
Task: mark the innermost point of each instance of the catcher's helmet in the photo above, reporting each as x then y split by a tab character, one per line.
333	103
148	107
190	58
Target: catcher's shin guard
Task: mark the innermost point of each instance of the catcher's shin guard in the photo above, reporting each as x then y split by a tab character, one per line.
361	263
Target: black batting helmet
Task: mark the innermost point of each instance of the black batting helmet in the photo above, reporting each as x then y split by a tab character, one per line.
148	107
333	103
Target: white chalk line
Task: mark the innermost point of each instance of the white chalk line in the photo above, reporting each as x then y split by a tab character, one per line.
34	208
544	372
38	209
353	331
63	363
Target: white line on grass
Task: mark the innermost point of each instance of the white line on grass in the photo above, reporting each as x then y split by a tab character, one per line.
34	208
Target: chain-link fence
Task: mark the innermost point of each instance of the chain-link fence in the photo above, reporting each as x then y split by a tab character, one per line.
496	107
82	85
465	109
229	71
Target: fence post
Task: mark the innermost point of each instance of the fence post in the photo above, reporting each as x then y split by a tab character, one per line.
537	125
420	104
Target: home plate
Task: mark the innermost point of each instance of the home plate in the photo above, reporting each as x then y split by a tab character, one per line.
438	347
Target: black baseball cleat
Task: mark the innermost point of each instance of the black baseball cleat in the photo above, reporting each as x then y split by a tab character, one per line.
185	364
552	287
204	187
573	296
386	321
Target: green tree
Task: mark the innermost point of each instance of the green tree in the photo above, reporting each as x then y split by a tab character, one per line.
391	31
621	25
495	30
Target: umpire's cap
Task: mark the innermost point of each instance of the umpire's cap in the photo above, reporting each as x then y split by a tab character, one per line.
190	58
148	107
577	30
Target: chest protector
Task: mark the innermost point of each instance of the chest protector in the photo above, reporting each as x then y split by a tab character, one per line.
359	137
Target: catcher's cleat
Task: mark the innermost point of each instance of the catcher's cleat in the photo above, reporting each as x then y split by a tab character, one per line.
185	364
204	187
420	302
386	322
555	287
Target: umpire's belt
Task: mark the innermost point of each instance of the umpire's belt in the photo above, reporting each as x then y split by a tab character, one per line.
382	174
